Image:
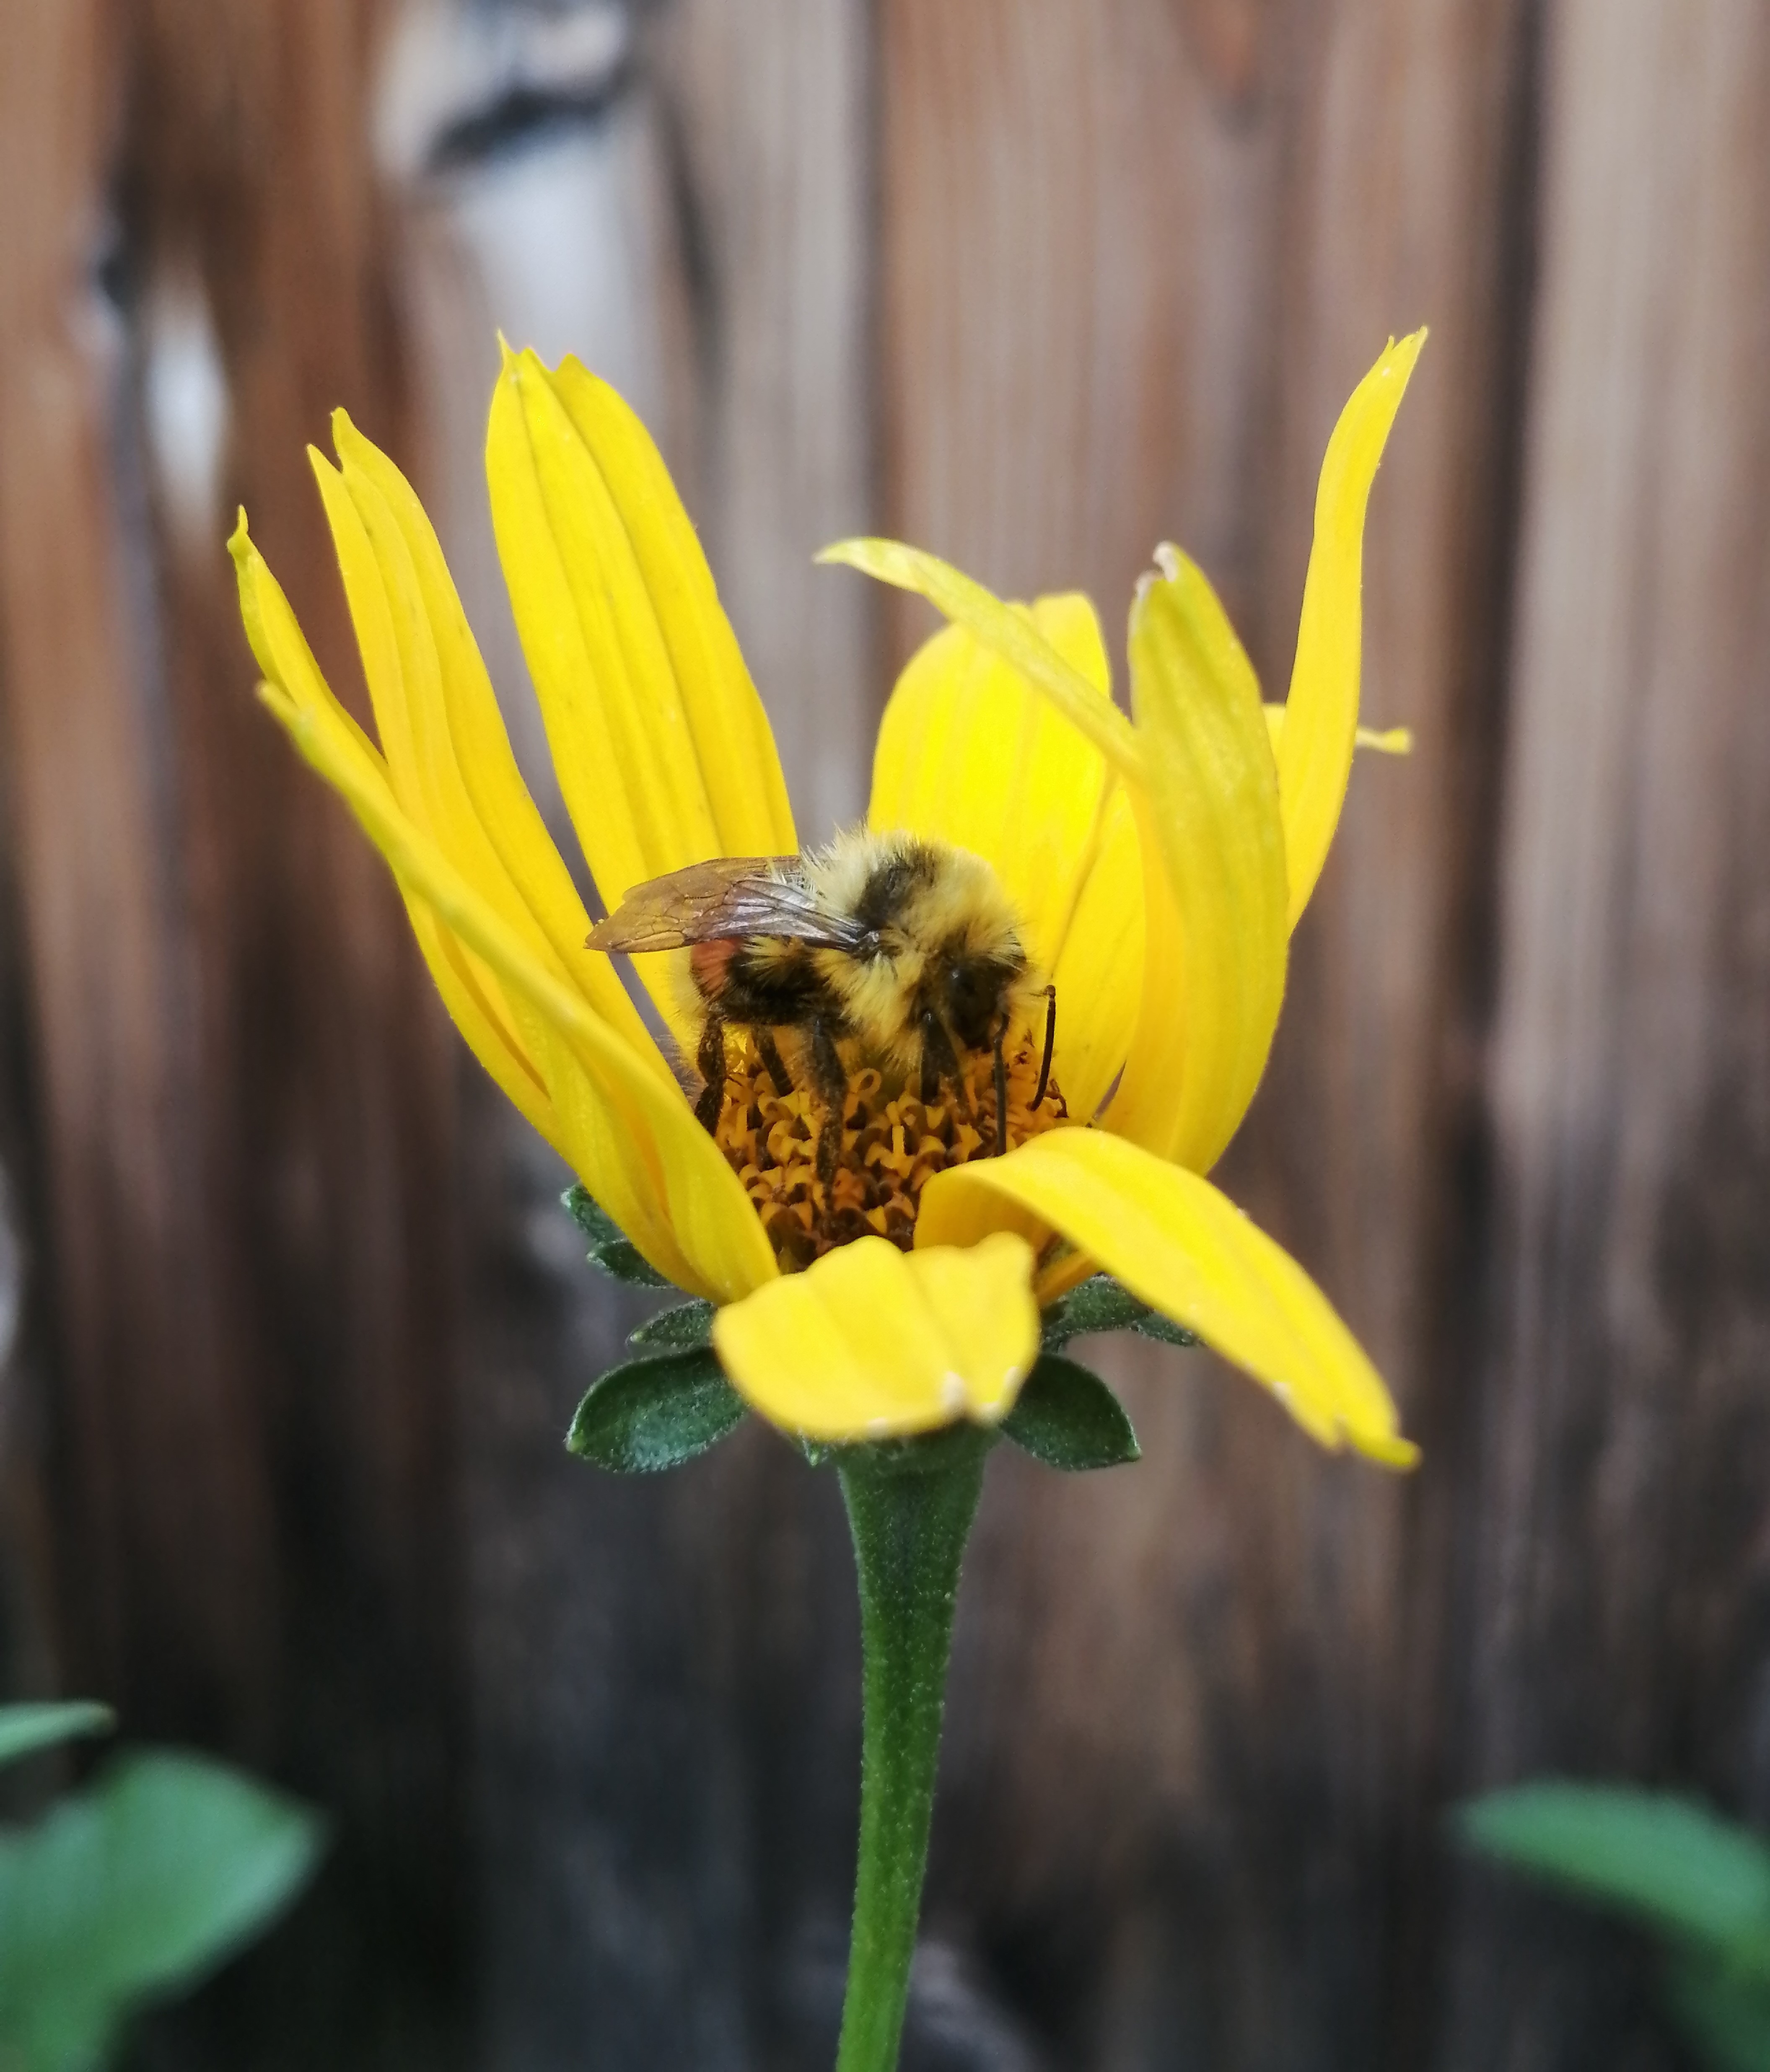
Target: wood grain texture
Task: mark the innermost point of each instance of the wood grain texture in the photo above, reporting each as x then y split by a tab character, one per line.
1035	283
665	1674
1136	258
1619	1603
243	1121
771	109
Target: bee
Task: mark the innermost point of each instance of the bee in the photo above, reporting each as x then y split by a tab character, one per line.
906	952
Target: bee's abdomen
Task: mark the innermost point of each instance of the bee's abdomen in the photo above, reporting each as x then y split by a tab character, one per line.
774	984
708	964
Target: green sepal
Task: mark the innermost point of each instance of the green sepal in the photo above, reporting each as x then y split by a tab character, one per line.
920	1452
24	1729
1069	1419
610	1247
1102	1305
1152	1324
688	1325
652	1414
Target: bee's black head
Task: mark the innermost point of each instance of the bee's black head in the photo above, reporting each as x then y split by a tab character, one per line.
975	988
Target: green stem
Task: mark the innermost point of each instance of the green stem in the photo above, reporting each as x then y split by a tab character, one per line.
911	1515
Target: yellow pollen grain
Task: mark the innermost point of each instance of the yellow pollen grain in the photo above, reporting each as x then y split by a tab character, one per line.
893	1145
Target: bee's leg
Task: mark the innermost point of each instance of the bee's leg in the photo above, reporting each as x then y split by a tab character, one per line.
1001	1090
832	1081
1051	1040
710	1057
769	1051
939	1060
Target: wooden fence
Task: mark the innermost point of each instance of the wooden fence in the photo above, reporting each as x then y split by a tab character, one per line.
1035	283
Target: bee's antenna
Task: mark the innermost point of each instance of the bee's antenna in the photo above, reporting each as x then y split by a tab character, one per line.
1001	1090
1051	1043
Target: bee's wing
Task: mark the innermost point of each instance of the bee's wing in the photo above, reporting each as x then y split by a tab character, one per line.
732	896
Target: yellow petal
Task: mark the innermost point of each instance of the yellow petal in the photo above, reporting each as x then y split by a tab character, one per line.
872	1343
455	773
424	670
969	753
1215	948
278	645
298	696
634	1141
1381	740
476	1006
1187	1250
1315	746
663	748
1008	632
1099	972
472	997
630	1136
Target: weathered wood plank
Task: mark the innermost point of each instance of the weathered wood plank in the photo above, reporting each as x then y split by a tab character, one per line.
665	1674
1409	197
77	733
1129	256
773	105
245	1124
1618	1598
1135	259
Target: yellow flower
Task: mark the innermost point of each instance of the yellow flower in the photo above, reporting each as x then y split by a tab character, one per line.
1158	863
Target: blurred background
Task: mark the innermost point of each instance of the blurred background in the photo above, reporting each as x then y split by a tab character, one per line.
1034	283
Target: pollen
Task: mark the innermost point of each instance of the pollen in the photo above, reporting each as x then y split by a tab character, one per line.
893	1145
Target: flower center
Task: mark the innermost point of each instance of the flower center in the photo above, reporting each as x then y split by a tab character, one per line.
893	1144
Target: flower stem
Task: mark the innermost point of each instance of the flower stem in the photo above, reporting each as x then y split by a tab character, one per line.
911	1513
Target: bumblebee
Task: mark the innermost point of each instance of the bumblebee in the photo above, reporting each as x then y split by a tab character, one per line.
902	952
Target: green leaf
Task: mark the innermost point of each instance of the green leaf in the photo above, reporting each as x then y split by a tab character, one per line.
1725	2014
1662	1859
1069	1419
610	1247
1102	1305
134	1889
688	1324
652	1414
24	1729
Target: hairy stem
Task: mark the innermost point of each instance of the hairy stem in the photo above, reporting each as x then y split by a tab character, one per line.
911	1515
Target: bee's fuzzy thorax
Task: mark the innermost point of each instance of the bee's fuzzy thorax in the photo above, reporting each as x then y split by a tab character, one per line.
930	906
884	958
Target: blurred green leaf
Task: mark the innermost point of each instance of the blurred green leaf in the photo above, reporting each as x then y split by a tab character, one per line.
133	1889
610	1247
1725	2014
24	1729
1069	1418
653	1414
1662	1859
